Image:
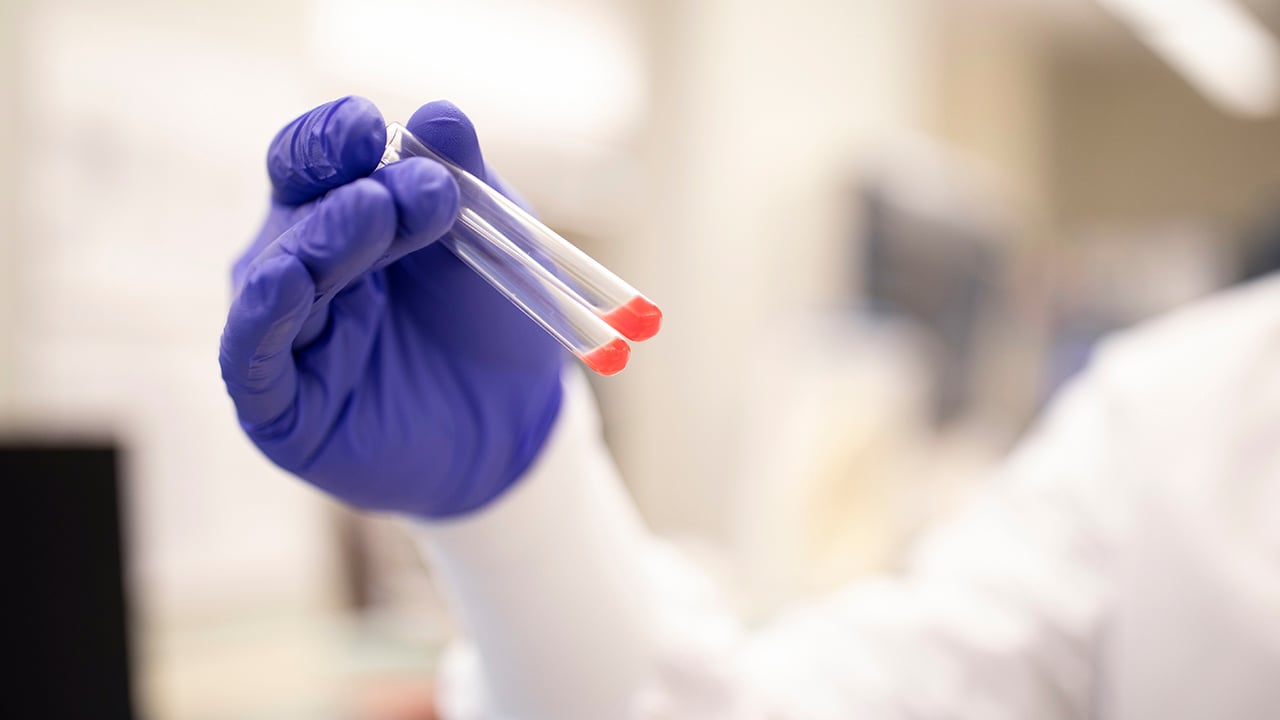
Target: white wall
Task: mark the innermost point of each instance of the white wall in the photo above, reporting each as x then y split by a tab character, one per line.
759	113
8	200
142	141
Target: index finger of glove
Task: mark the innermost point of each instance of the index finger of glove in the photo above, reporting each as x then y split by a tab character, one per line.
324	149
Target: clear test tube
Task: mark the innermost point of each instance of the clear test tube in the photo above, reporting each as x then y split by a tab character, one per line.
608	296
531	287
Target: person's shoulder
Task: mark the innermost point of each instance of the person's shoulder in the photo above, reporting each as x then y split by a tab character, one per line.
1217	344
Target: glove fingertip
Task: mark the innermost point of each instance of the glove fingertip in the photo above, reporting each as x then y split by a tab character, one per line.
449	131
325	148
425	195
351	228
364	209
365	134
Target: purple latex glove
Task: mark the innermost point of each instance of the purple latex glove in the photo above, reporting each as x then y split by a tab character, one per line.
361	355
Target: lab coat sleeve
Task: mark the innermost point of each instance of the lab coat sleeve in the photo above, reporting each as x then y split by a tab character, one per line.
575	612
553	585
1000	612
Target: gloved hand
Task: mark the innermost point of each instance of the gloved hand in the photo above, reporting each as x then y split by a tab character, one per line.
362	356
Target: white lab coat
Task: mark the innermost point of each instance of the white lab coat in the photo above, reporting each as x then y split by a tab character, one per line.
1125	564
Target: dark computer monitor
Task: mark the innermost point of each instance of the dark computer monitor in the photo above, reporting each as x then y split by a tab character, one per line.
942	274
63	603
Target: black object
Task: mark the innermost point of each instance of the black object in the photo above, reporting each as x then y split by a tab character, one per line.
62	597
944	275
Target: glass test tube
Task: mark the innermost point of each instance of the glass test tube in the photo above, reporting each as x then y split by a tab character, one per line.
499	241
610	297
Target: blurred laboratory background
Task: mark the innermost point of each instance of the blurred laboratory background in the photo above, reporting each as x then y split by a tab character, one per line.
883	232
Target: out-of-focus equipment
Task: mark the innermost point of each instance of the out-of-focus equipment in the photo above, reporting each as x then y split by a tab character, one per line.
64	612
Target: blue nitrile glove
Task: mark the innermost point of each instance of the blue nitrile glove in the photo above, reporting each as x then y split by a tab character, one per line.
364	357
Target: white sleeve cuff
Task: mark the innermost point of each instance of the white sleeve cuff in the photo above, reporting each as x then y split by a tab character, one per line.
548	581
